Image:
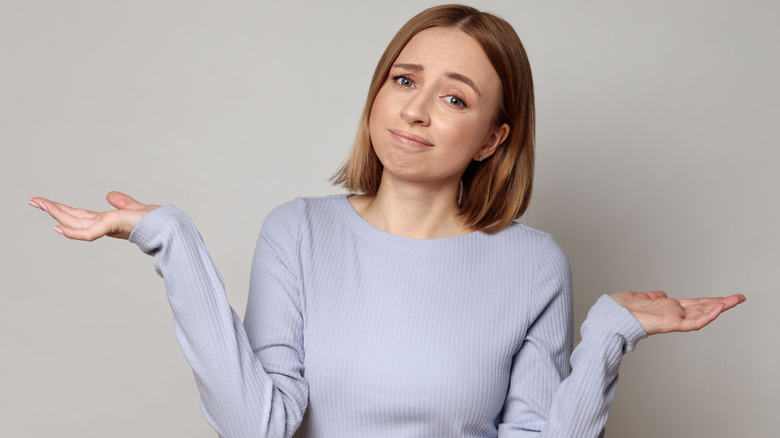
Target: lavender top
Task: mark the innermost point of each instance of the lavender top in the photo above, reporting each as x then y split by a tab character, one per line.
354	332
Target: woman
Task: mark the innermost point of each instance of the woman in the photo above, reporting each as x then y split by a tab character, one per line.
416	307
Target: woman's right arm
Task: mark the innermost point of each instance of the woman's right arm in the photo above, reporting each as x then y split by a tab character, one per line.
250	386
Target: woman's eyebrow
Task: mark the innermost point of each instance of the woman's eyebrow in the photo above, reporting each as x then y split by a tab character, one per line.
410	67
452	75
465	79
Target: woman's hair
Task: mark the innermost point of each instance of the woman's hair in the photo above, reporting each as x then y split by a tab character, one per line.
496	191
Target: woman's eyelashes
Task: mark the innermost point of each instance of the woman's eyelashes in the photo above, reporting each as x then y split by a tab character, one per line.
453	98
403	81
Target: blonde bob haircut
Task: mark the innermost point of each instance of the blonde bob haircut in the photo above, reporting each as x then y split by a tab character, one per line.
496	191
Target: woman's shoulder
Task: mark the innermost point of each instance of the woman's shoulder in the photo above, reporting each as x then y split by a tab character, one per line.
542	245
518	233
307	205
516	228
289	215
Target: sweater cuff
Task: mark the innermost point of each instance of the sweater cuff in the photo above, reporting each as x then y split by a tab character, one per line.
148	228
616	319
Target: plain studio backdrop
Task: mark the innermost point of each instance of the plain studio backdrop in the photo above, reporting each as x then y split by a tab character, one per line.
657	169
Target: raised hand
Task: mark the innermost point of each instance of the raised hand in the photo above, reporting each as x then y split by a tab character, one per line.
659	314
79	224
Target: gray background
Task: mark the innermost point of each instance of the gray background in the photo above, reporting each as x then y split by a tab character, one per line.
657	169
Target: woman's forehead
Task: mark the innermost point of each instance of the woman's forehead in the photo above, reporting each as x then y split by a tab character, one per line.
440	48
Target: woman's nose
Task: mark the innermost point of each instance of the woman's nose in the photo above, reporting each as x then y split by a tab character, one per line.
416	110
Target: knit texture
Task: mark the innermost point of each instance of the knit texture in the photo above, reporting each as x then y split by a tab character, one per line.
354	332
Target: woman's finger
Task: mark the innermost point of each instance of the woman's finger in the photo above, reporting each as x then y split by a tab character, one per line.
38	202
654	294
124	202
78	213
59	215
729	301
733	300
89	234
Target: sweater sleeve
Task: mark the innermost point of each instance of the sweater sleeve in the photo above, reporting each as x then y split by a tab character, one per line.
555	394
248	388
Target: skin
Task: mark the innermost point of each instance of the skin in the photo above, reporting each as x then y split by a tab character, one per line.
88	225
443	91
425	139
659	314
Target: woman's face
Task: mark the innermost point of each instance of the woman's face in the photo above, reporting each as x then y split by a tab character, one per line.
434	113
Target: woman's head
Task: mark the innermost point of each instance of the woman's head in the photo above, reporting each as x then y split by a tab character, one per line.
497	190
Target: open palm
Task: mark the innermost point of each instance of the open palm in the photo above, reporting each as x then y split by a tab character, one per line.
80	224
659	314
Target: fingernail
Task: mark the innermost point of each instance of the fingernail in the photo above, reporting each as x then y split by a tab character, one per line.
58	230
43	207
34	205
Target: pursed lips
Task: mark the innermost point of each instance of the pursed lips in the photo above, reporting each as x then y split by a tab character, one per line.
409	139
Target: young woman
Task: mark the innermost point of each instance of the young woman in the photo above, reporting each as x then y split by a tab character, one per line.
416	306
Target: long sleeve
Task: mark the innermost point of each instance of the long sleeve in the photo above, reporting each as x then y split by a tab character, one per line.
463	336
248	389
550	396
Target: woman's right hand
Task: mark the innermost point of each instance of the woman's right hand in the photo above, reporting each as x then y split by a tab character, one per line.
79	224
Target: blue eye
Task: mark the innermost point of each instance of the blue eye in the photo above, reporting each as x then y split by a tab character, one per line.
404	81
455	101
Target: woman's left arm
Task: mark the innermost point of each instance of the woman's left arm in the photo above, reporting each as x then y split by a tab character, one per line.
550	397
659	314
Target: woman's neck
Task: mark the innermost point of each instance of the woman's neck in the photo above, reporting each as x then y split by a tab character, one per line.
413	210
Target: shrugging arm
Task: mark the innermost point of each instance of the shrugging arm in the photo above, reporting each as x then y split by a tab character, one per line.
551	396
248	387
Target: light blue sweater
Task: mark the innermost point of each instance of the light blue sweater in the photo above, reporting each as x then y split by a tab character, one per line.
374	335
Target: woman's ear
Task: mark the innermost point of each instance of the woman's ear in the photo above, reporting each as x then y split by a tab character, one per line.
494	140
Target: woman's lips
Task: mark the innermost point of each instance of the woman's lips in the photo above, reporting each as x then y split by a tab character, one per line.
409	139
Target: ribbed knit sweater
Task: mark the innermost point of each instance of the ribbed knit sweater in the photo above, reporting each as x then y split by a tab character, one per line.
354	332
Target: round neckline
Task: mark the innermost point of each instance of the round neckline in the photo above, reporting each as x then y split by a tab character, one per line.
388	239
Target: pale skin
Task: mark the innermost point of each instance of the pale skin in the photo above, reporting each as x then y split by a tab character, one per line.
442	90
425	137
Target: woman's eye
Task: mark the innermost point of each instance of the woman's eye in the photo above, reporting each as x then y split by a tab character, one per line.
404	81
455	101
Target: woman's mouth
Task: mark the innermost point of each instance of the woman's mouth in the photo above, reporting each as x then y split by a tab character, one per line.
409	139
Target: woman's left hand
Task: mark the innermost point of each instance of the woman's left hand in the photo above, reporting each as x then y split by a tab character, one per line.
659	314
